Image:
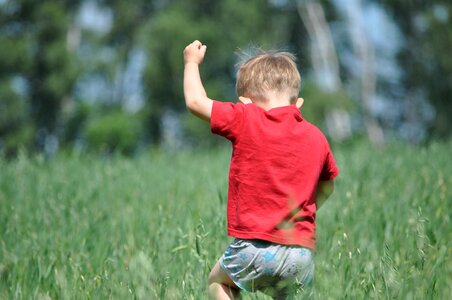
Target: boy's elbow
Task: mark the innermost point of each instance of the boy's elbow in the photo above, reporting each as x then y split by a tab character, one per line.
326	188
199	106
330	187
191	104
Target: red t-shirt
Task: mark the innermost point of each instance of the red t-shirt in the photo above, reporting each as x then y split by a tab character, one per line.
278	158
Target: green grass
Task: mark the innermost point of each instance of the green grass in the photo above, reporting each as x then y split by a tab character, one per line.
80	227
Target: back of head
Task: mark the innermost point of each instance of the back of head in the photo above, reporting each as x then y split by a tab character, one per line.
268	71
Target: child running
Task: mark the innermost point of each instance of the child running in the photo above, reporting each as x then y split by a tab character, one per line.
281	172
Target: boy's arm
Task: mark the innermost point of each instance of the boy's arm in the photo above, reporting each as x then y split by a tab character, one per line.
324	190
195	95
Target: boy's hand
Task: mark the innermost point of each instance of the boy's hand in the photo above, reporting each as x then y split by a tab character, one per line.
194	52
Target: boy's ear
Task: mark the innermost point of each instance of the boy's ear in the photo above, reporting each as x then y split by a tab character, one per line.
299	102
245	100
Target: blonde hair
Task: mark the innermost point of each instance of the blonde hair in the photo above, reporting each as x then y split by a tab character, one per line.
268	71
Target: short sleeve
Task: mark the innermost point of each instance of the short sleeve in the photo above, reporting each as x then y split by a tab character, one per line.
226	119
330	169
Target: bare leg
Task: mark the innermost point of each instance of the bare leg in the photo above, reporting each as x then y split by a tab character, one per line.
220	285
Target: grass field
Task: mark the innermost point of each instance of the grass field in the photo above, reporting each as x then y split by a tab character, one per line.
151	227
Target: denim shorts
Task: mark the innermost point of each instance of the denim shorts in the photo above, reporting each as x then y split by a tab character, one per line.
274	269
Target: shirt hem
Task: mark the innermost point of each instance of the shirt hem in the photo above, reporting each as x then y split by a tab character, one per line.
304	242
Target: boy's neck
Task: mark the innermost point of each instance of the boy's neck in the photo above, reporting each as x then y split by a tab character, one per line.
273	100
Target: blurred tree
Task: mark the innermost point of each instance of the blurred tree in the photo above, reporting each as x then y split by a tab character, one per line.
114	131
13	60
53	69
15	128
224	26
425	59
367	77
44	49
128	19
35	53
329	97
106	51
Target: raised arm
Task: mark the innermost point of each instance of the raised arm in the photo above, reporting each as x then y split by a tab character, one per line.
324	190
195	95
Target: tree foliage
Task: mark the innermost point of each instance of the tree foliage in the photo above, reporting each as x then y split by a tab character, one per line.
54	71
224	26
41	70
427	28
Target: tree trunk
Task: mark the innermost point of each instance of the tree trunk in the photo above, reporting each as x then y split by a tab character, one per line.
365	54
323	51
325	64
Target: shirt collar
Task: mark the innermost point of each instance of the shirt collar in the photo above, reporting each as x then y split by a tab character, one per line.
283	112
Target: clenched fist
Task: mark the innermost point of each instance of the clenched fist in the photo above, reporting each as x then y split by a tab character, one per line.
194	53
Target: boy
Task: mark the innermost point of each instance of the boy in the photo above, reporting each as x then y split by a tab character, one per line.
281	171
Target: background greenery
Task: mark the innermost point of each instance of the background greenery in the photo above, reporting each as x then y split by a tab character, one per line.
101	197
66	64
79	227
